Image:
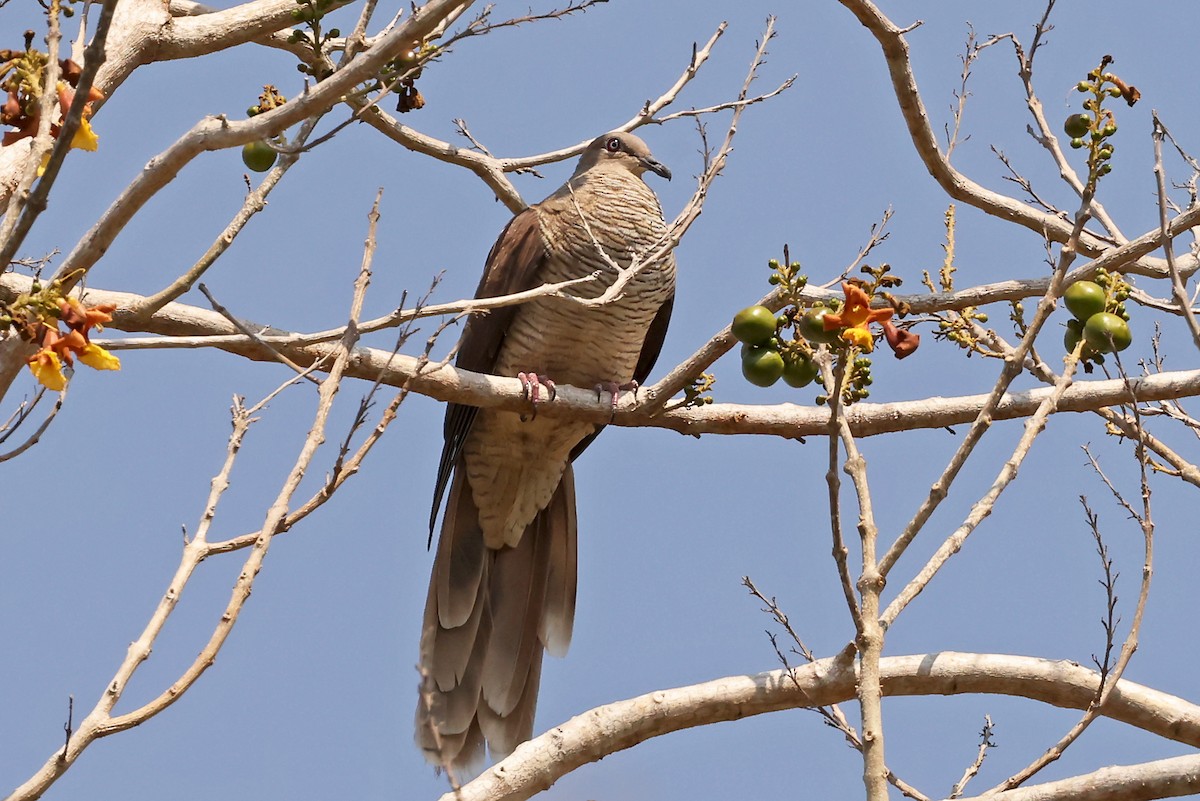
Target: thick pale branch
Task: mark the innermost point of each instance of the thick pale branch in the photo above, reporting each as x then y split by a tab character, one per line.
1163	778
591	736
783	420
198	34
1120	259
869	635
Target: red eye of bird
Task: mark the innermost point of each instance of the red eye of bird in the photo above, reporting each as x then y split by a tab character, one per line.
613	145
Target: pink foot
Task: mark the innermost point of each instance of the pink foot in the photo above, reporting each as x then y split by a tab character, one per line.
614	389
531	388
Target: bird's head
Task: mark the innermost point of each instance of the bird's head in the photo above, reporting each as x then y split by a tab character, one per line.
624	150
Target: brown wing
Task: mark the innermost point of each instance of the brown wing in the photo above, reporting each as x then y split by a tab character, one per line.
656	334
513	265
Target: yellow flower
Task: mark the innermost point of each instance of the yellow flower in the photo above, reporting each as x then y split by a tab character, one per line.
860	337
47	369
85	138
856	316
98	358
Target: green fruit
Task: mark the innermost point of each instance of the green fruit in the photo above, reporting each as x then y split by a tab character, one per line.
1071	339
1077	125
1106	332
754	325
799	373
1072	336
1084	298
258	156
762	366
812	326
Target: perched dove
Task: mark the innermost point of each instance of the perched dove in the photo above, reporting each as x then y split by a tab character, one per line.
503	583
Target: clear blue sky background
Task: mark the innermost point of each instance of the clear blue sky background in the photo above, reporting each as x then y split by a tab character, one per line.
313	695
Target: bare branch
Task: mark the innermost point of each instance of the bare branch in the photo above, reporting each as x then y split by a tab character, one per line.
1163	778
447	383
255	201
492	171
955	184
1108	678
985	742
1177	288
256	339
36	436
604	730
100	721
215	133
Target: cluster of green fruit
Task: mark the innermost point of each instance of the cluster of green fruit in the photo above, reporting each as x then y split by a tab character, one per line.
1101	322
260	156
1096	124
765	359
311	10
1077	126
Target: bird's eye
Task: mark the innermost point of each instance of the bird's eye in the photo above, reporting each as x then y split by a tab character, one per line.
613	145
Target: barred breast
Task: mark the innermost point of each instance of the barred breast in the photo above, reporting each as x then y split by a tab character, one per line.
514	466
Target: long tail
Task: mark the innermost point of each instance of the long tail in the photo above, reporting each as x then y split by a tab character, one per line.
488	617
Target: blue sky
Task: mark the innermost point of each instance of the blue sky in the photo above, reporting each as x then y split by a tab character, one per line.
313	694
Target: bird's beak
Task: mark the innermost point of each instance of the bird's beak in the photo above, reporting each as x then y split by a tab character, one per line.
654	166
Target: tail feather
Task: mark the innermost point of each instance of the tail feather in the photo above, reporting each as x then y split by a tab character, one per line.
460	699
461	561
489	615
518	589
505	732
558	610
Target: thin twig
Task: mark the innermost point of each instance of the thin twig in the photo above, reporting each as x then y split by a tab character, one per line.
1178	291
255	201
493	171
256	339
1013	366
834	375
36	436
985	742
101	722
1109	679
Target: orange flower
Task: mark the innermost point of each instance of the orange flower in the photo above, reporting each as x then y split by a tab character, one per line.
10	112
856	316
57	349
82	318
69	344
